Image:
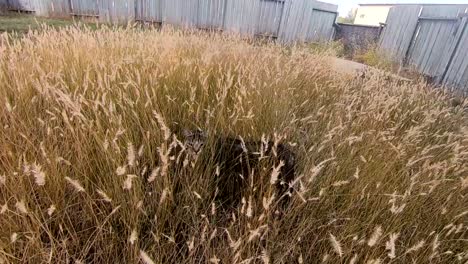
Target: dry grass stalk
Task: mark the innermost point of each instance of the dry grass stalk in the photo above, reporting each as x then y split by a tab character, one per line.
103	110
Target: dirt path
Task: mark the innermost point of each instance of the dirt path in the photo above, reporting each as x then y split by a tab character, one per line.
350	68
347	67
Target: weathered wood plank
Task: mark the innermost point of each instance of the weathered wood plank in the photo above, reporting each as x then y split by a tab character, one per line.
401	24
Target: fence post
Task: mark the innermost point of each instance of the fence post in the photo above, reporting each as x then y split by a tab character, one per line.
281	18
382	26
163	12
284	19
335	26
413	38
224	15
70	4
135	11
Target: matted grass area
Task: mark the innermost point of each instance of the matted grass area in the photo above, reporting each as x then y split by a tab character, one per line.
381	174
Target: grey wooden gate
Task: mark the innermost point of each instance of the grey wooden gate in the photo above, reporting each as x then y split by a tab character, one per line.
429	53
431	39
435	38
305	20
456	74
318	27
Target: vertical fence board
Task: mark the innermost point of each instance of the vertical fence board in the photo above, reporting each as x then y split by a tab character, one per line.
57	8
149	10
397	35
241	16
269	18
305	21
293	20
119	11
172	10
176	12
85	7
211	14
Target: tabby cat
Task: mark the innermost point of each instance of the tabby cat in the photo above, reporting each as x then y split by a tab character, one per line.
236	159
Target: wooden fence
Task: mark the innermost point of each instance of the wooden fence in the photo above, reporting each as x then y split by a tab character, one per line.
357	38
286	20
3	5
432	39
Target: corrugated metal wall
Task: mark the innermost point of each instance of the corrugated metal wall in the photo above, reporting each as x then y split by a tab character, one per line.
431	39
149	10
456	74
296	21
115	11
54	8
84	7
180	12
269	18
211	14
287	20
241	16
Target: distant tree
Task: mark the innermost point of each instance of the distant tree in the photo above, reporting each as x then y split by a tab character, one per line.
349	18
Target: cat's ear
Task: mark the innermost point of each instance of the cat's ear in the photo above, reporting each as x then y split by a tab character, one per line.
201	132
187	133
204	133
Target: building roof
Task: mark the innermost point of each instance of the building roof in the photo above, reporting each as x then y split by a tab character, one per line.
396	4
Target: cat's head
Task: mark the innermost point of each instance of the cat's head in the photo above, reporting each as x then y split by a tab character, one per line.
194	140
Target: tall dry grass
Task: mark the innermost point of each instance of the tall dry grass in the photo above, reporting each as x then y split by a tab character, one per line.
382	172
